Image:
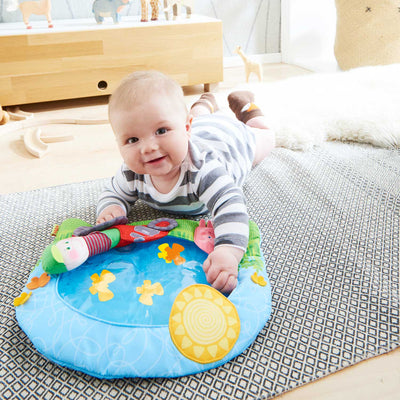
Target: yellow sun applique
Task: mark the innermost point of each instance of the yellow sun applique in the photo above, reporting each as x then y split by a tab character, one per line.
258	279
148	290
100	285
204	325
22	298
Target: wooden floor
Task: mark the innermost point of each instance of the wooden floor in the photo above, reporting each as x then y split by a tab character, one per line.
93	154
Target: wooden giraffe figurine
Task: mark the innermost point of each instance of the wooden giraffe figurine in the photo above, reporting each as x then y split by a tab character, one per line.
249	65
42	7
145	9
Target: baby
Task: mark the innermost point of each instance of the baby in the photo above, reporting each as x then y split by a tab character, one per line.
186	162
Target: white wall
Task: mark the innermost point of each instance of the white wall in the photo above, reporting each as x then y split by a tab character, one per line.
300	32
253	24
308	34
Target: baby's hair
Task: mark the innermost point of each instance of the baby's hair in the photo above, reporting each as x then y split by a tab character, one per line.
140	85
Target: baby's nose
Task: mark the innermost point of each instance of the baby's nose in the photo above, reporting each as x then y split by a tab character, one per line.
149	145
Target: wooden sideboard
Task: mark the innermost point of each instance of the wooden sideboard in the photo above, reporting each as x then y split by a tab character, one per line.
78	58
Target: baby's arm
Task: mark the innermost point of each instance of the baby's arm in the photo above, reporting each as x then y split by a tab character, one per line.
226	202
221	267
116	198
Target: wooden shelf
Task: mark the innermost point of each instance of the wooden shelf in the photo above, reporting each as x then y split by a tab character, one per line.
78	58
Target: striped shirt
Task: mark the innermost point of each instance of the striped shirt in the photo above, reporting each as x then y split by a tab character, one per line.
221	153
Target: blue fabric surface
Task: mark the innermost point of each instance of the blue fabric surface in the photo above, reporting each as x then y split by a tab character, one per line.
123	337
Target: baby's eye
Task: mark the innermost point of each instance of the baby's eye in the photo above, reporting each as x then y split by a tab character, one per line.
161	131
132	140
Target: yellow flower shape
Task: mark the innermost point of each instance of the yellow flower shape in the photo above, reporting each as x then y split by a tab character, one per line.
258	279
100	285
22	298
147	290
163	253
204	325
171	254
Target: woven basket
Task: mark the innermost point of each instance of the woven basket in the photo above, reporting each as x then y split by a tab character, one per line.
367	33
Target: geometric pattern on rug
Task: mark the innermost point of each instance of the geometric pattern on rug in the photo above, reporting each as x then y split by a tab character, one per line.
329	220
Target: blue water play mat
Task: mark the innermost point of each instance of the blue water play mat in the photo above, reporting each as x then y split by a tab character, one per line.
138	303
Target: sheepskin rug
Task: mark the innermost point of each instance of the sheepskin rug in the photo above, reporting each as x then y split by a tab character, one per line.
361	105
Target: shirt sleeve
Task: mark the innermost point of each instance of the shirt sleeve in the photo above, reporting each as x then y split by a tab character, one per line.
226	203
119	191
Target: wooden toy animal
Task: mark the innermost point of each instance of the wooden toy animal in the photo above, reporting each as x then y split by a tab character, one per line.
168	4
42	7
249	65
4	116
108	8
145	9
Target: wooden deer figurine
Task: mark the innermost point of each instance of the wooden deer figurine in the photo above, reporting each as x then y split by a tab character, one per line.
249	65
174	4
42	7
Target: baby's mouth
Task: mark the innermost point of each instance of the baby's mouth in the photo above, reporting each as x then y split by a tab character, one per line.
156	160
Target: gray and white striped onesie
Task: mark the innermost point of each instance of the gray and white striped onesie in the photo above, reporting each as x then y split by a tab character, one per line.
221	153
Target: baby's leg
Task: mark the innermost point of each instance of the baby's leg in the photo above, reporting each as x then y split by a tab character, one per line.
206	104
241	103
265	143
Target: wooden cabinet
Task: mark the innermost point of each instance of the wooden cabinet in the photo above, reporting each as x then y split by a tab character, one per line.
78	58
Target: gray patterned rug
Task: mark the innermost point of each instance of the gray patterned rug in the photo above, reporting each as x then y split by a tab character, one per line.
330	224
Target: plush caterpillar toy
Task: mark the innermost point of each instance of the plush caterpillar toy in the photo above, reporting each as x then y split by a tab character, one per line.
70	253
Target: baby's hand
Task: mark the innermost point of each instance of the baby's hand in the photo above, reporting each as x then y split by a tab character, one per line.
110	212
221	268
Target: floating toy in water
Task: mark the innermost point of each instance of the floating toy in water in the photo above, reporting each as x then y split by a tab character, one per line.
127	312
173	253
70	253
100	285
147	290
204	236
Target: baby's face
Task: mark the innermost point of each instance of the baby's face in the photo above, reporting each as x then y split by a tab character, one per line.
153	137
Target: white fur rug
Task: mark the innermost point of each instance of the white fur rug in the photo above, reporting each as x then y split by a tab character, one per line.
361	105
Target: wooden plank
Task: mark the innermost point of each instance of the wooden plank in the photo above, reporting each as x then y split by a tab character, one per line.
27	54
55	65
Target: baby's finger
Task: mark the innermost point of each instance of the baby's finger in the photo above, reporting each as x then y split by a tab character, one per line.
230	285
104	218
206	265
213	274
220	280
